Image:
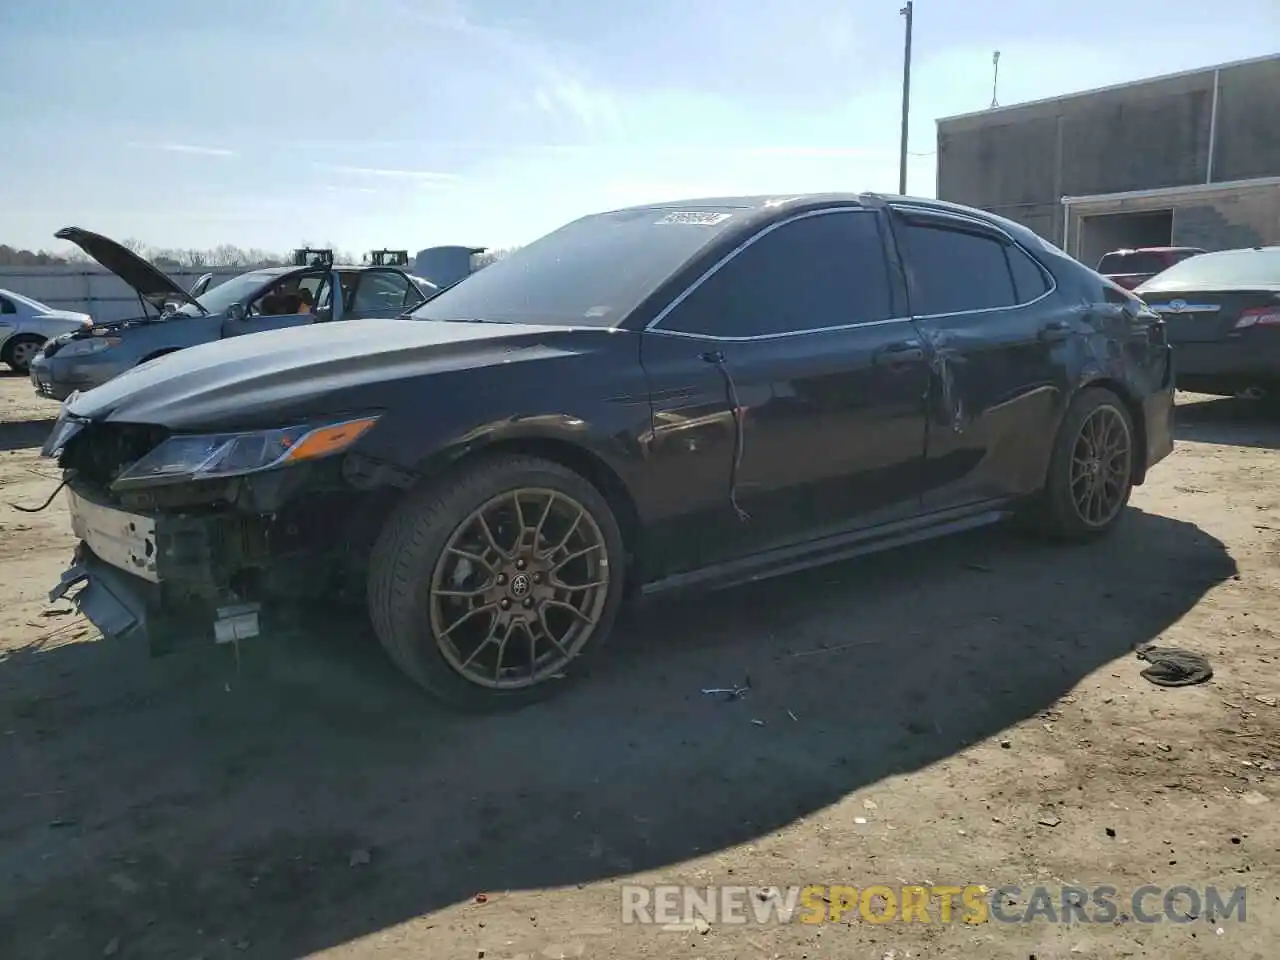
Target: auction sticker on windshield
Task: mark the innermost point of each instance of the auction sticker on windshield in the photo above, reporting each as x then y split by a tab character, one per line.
695	217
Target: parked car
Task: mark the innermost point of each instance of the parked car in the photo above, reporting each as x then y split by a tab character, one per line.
264	299
699	393
1223	315
25	325
1128	268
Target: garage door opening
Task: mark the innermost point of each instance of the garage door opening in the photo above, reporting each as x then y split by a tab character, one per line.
1123	231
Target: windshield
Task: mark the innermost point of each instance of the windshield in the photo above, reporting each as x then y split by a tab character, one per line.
591	272
1226	269
217	299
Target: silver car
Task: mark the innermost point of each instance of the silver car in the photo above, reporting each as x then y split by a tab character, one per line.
26	324
264	299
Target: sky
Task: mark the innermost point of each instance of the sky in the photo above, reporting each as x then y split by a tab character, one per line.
410	123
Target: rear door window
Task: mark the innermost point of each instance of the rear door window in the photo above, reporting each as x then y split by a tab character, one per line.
953	270
382	291
1138	262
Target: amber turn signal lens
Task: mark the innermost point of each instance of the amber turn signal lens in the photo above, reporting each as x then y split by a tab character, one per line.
328	440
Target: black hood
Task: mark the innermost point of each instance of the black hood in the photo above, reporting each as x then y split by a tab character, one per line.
298	372
151	283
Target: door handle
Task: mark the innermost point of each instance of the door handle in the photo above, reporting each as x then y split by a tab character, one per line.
909	351
1055	330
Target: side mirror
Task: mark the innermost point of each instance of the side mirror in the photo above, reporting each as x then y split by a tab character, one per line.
236	312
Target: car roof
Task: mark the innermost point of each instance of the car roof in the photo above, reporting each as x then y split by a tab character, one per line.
294	268
1154	250
776	206
778	201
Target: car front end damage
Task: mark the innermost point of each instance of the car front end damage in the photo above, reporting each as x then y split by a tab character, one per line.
78	361
184	534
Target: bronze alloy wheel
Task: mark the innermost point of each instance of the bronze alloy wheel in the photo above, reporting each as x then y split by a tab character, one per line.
1101	463
519	589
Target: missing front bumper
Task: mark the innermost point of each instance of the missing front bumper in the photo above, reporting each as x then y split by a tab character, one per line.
127	608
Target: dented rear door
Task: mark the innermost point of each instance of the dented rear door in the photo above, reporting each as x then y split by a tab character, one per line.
998	345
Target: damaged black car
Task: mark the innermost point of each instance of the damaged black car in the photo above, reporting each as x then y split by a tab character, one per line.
693	394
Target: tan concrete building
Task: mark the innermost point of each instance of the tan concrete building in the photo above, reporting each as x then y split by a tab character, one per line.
1189	159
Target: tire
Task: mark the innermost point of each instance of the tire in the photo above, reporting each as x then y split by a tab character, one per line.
409	558
1056	514
21	350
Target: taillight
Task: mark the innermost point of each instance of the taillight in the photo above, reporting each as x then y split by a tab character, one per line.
1259	317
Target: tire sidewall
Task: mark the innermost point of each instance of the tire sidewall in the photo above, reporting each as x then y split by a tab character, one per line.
35	340
417	650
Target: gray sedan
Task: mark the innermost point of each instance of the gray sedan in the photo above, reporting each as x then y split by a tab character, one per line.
264	299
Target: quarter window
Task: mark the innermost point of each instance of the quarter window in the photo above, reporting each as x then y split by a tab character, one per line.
6	306
815	272
1028	277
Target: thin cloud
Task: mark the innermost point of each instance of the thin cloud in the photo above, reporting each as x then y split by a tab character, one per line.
392	173
557	88
186	148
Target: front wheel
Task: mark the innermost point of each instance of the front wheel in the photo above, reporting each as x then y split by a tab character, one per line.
493	587
21	350
1091	469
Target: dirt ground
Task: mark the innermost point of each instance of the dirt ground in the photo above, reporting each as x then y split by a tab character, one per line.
969	712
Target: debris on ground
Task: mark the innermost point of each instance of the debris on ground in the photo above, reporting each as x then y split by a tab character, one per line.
112	947
359	858
1266	701
1049	821
1173	666
736	692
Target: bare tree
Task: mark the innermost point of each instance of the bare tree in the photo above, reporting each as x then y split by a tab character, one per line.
482	260
136	247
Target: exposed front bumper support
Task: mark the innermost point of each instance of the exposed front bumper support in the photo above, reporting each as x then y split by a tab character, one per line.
118	608
126	607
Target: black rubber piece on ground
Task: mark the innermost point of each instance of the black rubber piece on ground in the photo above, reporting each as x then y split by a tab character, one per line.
410	544
1174	667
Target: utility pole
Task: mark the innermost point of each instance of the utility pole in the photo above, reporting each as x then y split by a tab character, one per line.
995	78
906	101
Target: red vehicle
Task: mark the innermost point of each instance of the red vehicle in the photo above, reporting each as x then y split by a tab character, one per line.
1129	268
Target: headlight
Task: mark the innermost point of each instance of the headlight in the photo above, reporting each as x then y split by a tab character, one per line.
186	458
82	348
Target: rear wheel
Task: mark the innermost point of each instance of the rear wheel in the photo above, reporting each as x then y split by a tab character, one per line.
492	588
21	350
1091	469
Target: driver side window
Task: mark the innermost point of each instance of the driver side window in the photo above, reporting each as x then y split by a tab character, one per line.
821	270
291	294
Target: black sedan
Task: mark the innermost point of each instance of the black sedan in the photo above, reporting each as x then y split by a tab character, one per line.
1223	316
690	394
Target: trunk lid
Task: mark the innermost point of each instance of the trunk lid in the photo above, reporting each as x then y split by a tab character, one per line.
148	281
1207	316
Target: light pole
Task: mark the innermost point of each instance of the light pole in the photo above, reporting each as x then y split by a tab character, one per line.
995	78
906	101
